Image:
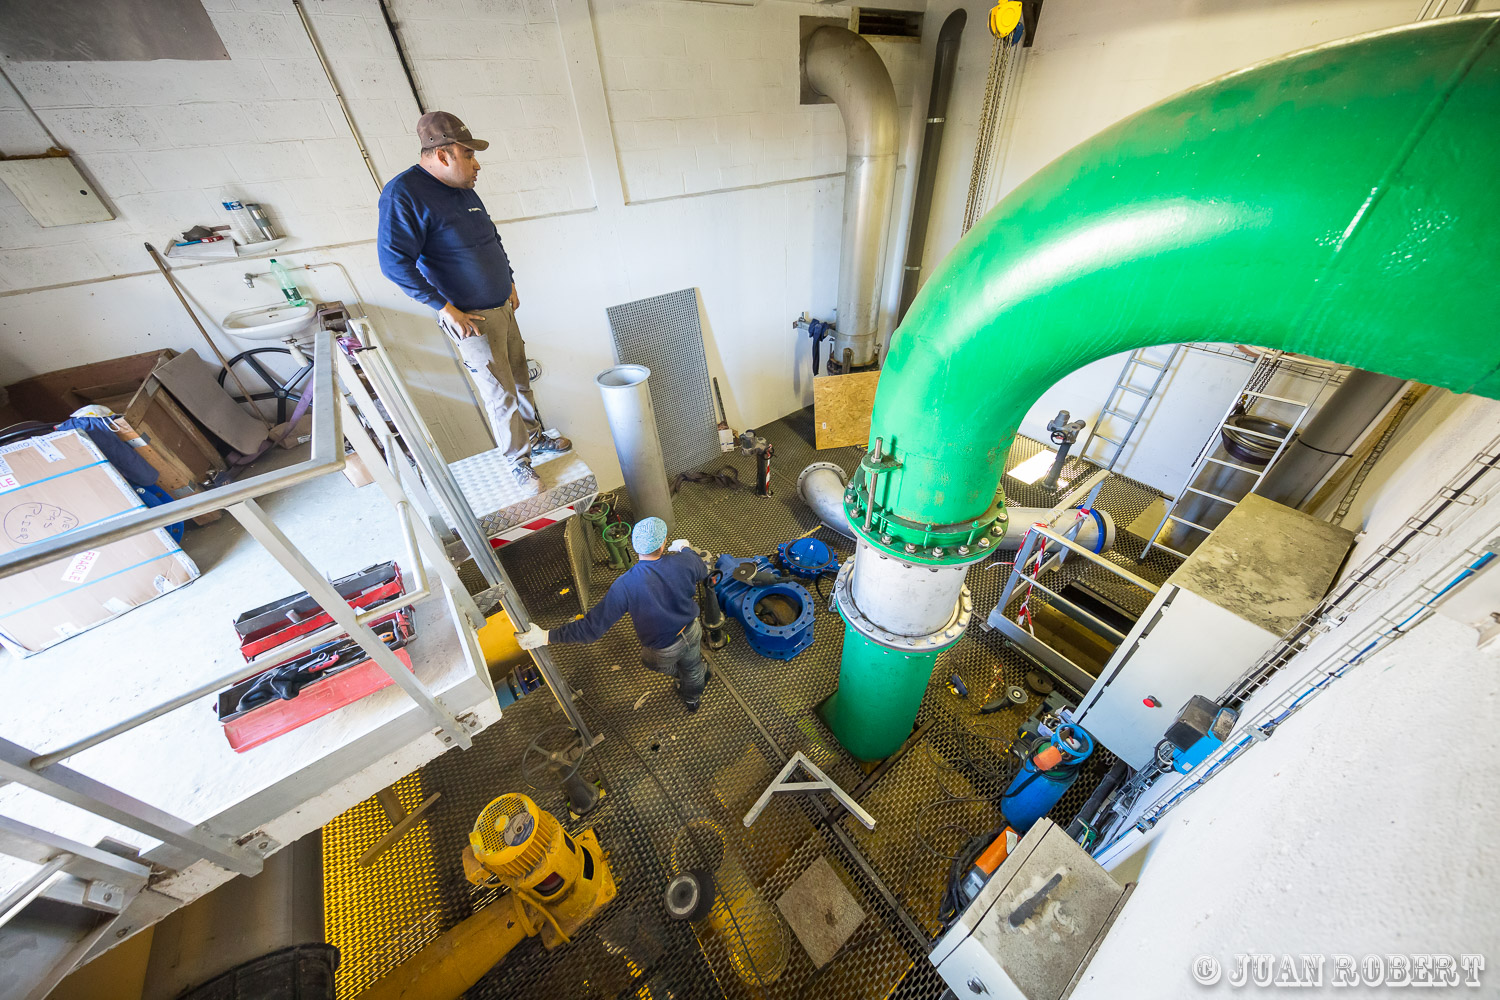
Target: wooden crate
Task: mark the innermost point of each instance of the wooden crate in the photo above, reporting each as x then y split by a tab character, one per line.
55	395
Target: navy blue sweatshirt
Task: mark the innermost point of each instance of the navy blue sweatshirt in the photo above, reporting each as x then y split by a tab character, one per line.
660	595
439	245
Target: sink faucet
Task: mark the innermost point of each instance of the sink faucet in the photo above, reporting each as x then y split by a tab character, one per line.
249	280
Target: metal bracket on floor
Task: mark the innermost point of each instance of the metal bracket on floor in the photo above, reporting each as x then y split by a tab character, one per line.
401	822
820	783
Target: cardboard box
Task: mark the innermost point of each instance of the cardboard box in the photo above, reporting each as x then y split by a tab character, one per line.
49	486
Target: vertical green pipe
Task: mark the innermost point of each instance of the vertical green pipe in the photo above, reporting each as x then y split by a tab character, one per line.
880	690
1339	202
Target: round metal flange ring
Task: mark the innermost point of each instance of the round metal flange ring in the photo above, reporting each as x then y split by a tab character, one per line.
942	638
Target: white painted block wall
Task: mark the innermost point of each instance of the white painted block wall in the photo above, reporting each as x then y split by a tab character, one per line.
700	172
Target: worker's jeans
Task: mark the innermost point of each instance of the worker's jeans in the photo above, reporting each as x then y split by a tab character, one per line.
496	361
682	660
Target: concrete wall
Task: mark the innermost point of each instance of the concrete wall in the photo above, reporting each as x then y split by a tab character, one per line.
1343	833
638	148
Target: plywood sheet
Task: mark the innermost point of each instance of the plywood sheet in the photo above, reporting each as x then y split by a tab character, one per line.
841	408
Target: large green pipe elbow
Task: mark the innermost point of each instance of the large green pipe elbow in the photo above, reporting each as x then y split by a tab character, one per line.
1339	202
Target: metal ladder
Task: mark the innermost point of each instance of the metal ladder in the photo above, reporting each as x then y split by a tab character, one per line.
1125	383
1252	391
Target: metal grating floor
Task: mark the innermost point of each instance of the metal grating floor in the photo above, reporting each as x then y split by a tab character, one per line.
679	784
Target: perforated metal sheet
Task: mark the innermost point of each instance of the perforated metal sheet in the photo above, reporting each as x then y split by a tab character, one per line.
664	334
665	769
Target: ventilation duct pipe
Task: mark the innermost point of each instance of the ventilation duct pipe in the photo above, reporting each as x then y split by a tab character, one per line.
1335	202
1329	436
944	65
822	485
632	423
843	66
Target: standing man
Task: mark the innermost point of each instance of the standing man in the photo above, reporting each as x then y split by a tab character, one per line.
439	245
660	592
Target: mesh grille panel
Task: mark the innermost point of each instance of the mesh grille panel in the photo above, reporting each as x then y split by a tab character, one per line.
663	333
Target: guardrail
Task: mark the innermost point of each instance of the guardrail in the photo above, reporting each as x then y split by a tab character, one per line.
430	571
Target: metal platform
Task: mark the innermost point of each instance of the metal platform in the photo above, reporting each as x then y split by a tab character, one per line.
501	505
667	770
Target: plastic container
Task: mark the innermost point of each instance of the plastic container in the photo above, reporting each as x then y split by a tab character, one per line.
288	286
245	231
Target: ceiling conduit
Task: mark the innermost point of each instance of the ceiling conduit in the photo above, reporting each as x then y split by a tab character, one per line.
1337	202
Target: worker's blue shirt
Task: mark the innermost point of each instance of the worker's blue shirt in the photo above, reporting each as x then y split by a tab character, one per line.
661	596
439	245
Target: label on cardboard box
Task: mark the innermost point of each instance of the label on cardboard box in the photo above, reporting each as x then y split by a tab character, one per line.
115	606
8	482
48	450
79	566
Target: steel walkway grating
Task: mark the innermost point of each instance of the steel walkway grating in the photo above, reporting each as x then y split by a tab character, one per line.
664	768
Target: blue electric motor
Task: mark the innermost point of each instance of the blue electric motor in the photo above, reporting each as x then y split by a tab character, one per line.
1050	768
777	614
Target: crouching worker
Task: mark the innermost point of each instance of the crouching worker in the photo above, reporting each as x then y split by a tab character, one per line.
660	592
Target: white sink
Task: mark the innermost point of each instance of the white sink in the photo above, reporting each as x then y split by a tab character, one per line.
274	322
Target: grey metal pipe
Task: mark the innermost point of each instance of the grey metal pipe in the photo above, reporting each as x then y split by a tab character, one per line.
841	65
243	920
821	486
944	68
1329	436
632	423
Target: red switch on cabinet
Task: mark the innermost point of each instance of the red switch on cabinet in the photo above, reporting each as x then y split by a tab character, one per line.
1150	702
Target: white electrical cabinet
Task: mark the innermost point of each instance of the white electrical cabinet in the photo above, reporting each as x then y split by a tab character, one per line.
1033	927
1248	583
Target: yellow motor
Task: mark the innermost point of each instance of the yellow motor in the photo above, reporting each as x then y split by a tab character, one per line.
522	846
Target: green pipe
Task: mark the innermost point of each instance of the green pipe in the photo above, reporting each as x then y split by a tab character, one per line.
1338	202
879	692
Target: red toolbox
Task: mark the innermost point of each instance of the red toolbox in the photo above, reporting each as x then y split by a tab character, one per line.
310	686
275	624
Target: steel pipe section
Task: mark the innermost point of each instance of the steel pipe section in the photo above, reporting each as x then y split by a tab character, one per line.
632	424
1334	202
903	598
841	65
821	486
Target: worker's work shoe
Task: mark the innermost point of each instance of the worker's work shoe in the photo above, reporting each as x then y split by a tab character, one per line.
546	444
527	479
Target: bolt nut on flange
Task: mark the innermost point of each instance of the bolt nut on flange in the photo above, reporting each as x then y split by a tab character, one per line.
984	543
886	539
910	548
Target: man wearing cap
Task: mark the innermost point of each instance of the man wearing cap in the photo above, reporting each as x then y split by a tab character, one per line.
439	245
660	592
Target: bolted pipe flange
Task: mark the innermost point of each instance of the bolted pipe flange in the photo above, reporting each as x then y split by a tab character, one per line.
937	640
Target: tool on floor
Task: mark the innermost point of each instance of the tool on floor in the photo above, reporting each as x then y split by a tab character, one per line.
556	752
689	895
402	822
776	612
752	444
714	636
726	436
1052	762
957	686
820	783
166	273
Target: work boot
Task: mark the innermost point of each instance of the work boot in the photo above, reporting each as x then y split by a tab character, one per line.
545	444
527	479
692	706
